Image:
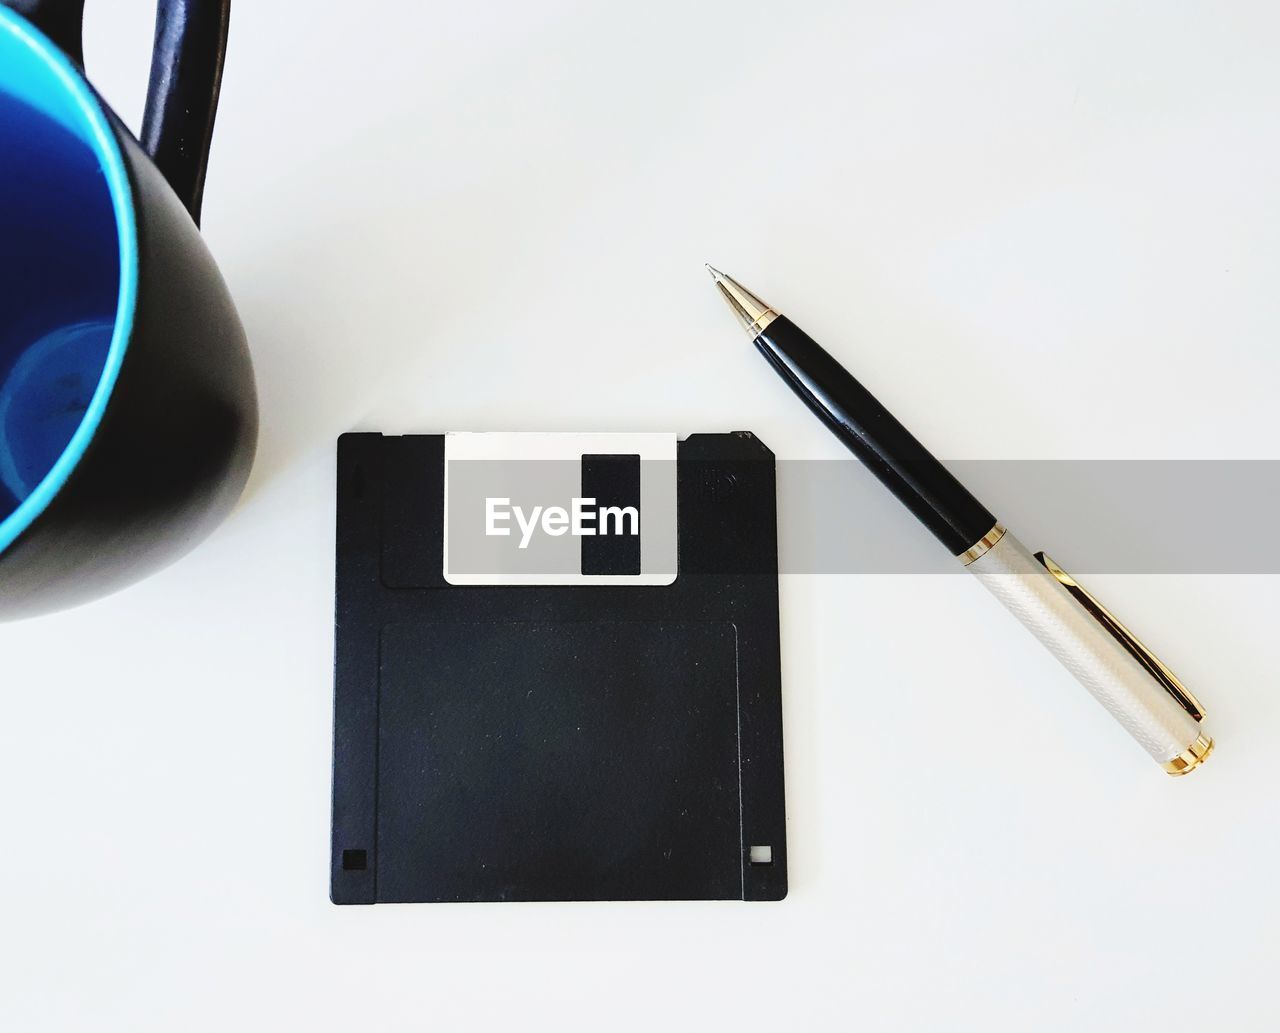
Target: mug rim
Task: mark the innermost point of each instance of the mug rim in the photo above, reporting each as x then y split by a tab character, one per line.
100	138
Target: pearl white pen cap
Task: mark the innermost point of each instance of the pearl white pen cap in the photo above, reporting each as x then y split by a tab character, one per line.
1104	656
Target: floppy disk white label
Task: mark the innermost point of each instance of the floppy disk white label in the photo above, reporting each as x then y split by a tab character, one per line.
560	509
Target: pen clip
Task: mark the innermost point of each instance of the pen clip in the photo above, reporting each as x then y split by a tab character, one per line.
1154	665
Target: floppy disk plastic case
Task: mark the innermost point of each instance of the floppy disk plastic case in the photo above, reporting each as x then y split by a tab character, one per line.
556	669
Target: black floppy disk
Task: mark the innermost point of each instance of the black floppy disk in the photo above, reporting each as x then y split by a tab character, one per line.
556	669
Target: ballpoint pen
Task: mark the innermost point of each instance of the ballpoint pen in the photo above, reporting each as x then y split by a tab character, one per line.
1104	656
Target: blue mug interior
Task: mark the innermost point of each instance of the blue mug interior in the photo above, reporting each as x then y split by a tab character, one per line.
68	270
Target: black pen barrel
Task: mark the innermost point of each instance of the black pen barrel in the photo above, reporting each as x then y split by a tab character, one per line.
871	433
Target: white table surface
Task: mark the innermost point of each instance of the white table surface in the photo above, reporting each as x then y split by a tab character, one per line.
441	216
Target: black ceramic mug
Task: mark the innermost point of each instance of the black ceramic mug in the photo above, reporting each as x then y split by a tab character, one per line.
128	415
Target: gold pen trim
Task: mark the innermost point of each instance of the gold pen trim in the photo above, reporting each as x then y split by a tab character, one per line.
1190	758
1154	665
982	546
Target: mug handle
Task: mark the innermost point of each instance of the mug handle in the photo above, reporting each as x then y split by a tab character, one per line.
186	74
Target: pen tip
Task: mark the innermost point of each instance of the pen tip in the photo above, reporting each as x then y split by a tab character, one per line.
752	313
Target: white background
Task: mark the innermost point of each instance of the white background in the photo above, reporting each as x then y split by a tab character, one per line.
1036	230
